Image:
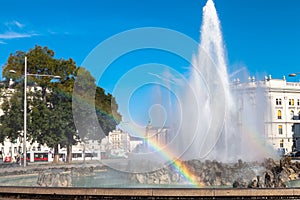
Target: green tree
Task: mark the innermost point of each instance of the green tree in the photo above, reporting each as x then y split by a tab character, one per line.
44	118
12	119
50	113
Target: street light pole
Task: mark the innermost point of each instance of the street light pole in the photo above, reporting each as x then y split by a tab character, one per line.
25	105
25	113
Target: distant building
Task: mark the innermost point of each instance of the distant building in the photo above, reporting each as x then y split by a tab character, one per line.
119	140
156	136
116	144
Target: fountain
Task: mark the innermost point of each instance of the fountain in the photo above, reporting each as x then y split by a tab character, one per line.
219	125
216	123
209	123
216	135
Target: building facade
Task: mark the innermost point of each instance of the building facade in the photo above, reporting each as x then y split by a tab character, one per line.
284	111
280	102
156	136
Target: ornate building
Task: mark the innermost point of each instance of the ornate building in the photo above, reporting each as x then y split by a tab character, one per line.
279	102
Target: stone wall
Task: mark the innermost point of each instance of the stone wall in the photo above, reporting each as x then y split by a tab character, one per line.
267	174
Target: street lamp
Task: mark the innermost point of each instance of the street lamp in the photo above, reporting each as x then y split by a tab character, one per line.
25	105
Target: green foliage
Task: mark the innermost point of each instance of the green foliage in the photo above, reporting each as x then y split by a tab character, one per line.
90	102
50	115
12	119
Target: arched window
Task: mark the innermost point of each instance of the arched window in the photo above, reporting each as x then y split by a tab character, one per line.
279	115
292	114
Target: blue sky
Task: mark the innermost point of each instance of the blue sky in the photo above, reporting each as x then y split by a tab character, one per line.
261	35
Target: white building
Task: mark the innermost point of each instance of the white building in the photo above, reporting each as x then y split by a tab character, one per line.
119	140
281	107
116	144
158	136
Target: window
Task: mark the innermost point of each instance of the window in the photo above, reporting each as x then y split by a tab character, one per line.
291	102
292	114
279	114
278	101
280	129
15	150
76	155
281	143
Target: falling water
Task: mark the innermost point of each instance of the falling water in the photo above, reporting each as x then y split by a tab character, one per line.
210	127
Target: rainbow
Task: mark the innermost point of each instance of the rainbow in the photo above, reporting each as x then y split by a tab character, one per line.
178	165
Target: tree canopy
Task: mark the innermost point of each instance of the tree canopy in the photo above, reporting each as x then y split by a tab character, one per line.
50	114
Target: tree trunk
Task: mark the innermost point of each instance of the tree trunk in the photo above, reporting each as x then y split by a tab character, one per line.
69	153
56	155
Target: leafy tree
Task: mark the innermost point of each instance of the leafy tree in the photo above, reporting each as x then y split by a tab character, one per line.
106	109
12	119
89	103
50	114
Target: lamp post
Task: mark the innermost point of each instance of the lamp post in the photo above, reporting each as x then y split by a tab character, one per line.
25	105
25	114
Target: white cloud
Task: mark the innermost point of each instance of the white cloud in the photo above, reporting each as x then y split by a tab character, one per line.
13	30
18	24
168	77
13	35
13	24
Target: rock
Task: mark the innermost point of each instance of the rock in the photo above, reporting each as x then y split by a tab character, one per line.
285	161
269	179
54	179
140	178
253	183
175	177
236	184
269	173
165	179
